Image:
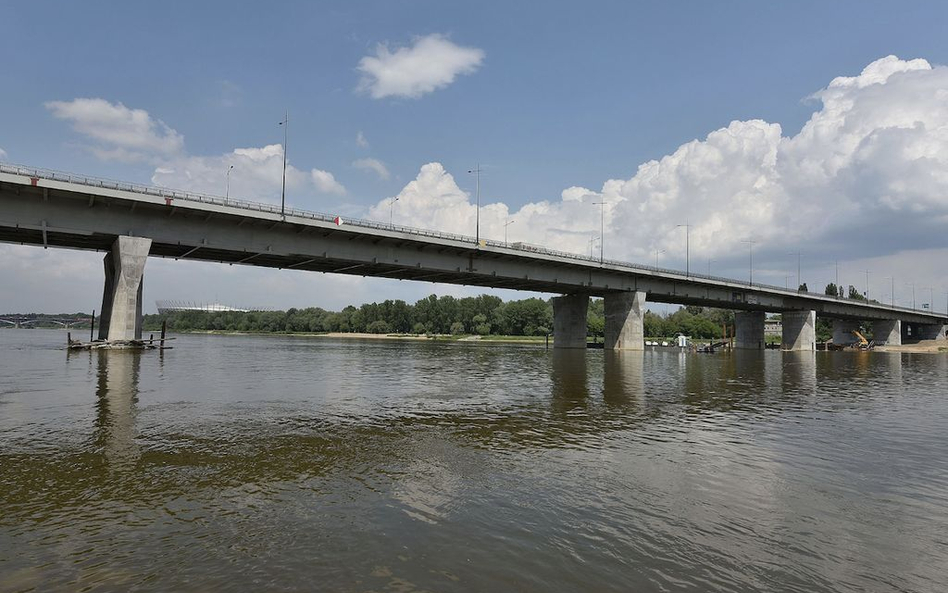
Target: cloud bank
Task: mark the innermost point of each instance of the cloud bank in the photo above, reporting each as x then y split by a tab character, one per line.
867	174
429	64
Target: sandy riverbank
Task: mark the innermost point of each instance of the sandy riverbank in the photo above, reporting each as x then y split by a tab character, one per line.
925	346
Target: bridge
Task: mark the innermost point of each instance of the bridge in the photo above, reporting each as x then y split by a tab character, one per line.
131	222
19	321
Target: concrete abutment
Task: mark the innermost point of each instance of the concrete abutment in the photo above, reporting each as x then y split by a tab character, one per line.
625	321
887	332
843	331
569	320
749	330
799	331
121	317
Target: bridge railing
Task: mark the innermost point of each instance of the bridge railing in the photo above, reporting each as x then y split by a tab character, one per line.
173	194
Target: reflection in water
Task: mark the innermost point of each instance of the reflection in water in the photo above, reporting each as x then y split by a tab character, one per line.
422	466
623	379
569	379
116	399
799	372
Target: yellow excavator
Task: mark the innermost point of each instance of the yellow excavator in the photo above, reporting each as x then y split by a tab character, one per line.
863	343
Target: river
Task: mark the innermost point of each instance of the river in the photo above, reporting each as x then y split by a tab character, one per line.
245	463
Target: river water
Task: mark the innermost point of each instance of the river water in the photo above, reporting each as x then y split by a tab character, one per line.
237	463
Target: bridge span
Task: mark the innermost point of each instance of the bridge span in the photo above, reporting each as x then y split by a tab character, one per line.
131	222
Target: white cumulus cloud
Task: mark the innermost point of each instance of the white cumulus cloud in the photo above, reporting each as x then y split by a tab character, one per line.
257	175
865	176
120	133
361	141
430	63
133	135
374	165
326	183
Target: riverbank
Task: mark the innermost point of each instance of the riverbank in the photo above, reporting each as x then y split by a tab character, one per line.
369	336
925	346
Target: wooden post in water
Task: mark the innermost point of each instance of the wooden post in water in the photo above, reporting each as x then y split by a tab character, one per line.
68	339
92	327
164	326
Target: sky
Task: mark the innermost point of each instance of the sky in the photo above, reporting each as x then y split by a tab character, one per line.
818	131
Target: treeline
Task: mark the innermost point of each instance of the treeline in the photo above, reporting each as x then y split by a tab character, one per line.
481	315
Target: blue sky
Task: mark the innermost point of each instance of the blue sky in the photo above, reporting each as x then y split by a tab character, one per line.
564	95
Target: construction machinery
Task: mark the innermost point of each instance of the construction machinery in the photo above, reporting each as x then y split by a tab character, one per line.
862	343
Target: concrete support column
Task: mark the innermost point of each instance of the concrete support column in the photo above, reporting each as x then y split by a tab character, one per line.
888	332
569	320
932	332
625	321
108	291
843	331
122	297
749	330
799	330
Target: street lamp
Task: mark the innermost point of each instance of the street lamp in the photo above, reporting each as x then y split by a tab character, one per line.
709	265
687	247
227	194
592	242
750	246
286	124
476	171
867	286
391	211
657	252
799	280
912	284
786	281
507	224
602	228
892	279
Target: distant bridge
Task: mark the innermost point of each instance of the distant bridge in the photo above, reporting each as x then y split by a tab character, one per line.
27	321
131	222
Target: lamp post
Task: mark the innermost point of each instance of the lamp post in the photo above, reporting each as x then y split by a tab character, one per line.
709	265
391	211
476	171
602	228
286	124
227	192
786	281
892	279
687	247
657	252
799	280
912	284
931	299
750	245
591	242
867	286
507	224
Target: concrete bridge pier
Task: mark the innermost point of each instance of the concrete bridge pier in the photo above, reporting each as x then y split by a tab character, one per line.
749	330
888	332
799	331
932	332
625	321
569	320
843	331
121	317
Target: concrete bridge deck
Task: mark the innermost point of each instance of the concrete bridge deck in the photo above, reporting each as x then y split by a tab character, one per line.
53	209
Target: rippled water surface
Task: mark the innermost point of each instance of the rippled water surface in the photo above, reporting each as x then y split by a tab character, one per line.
235	463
